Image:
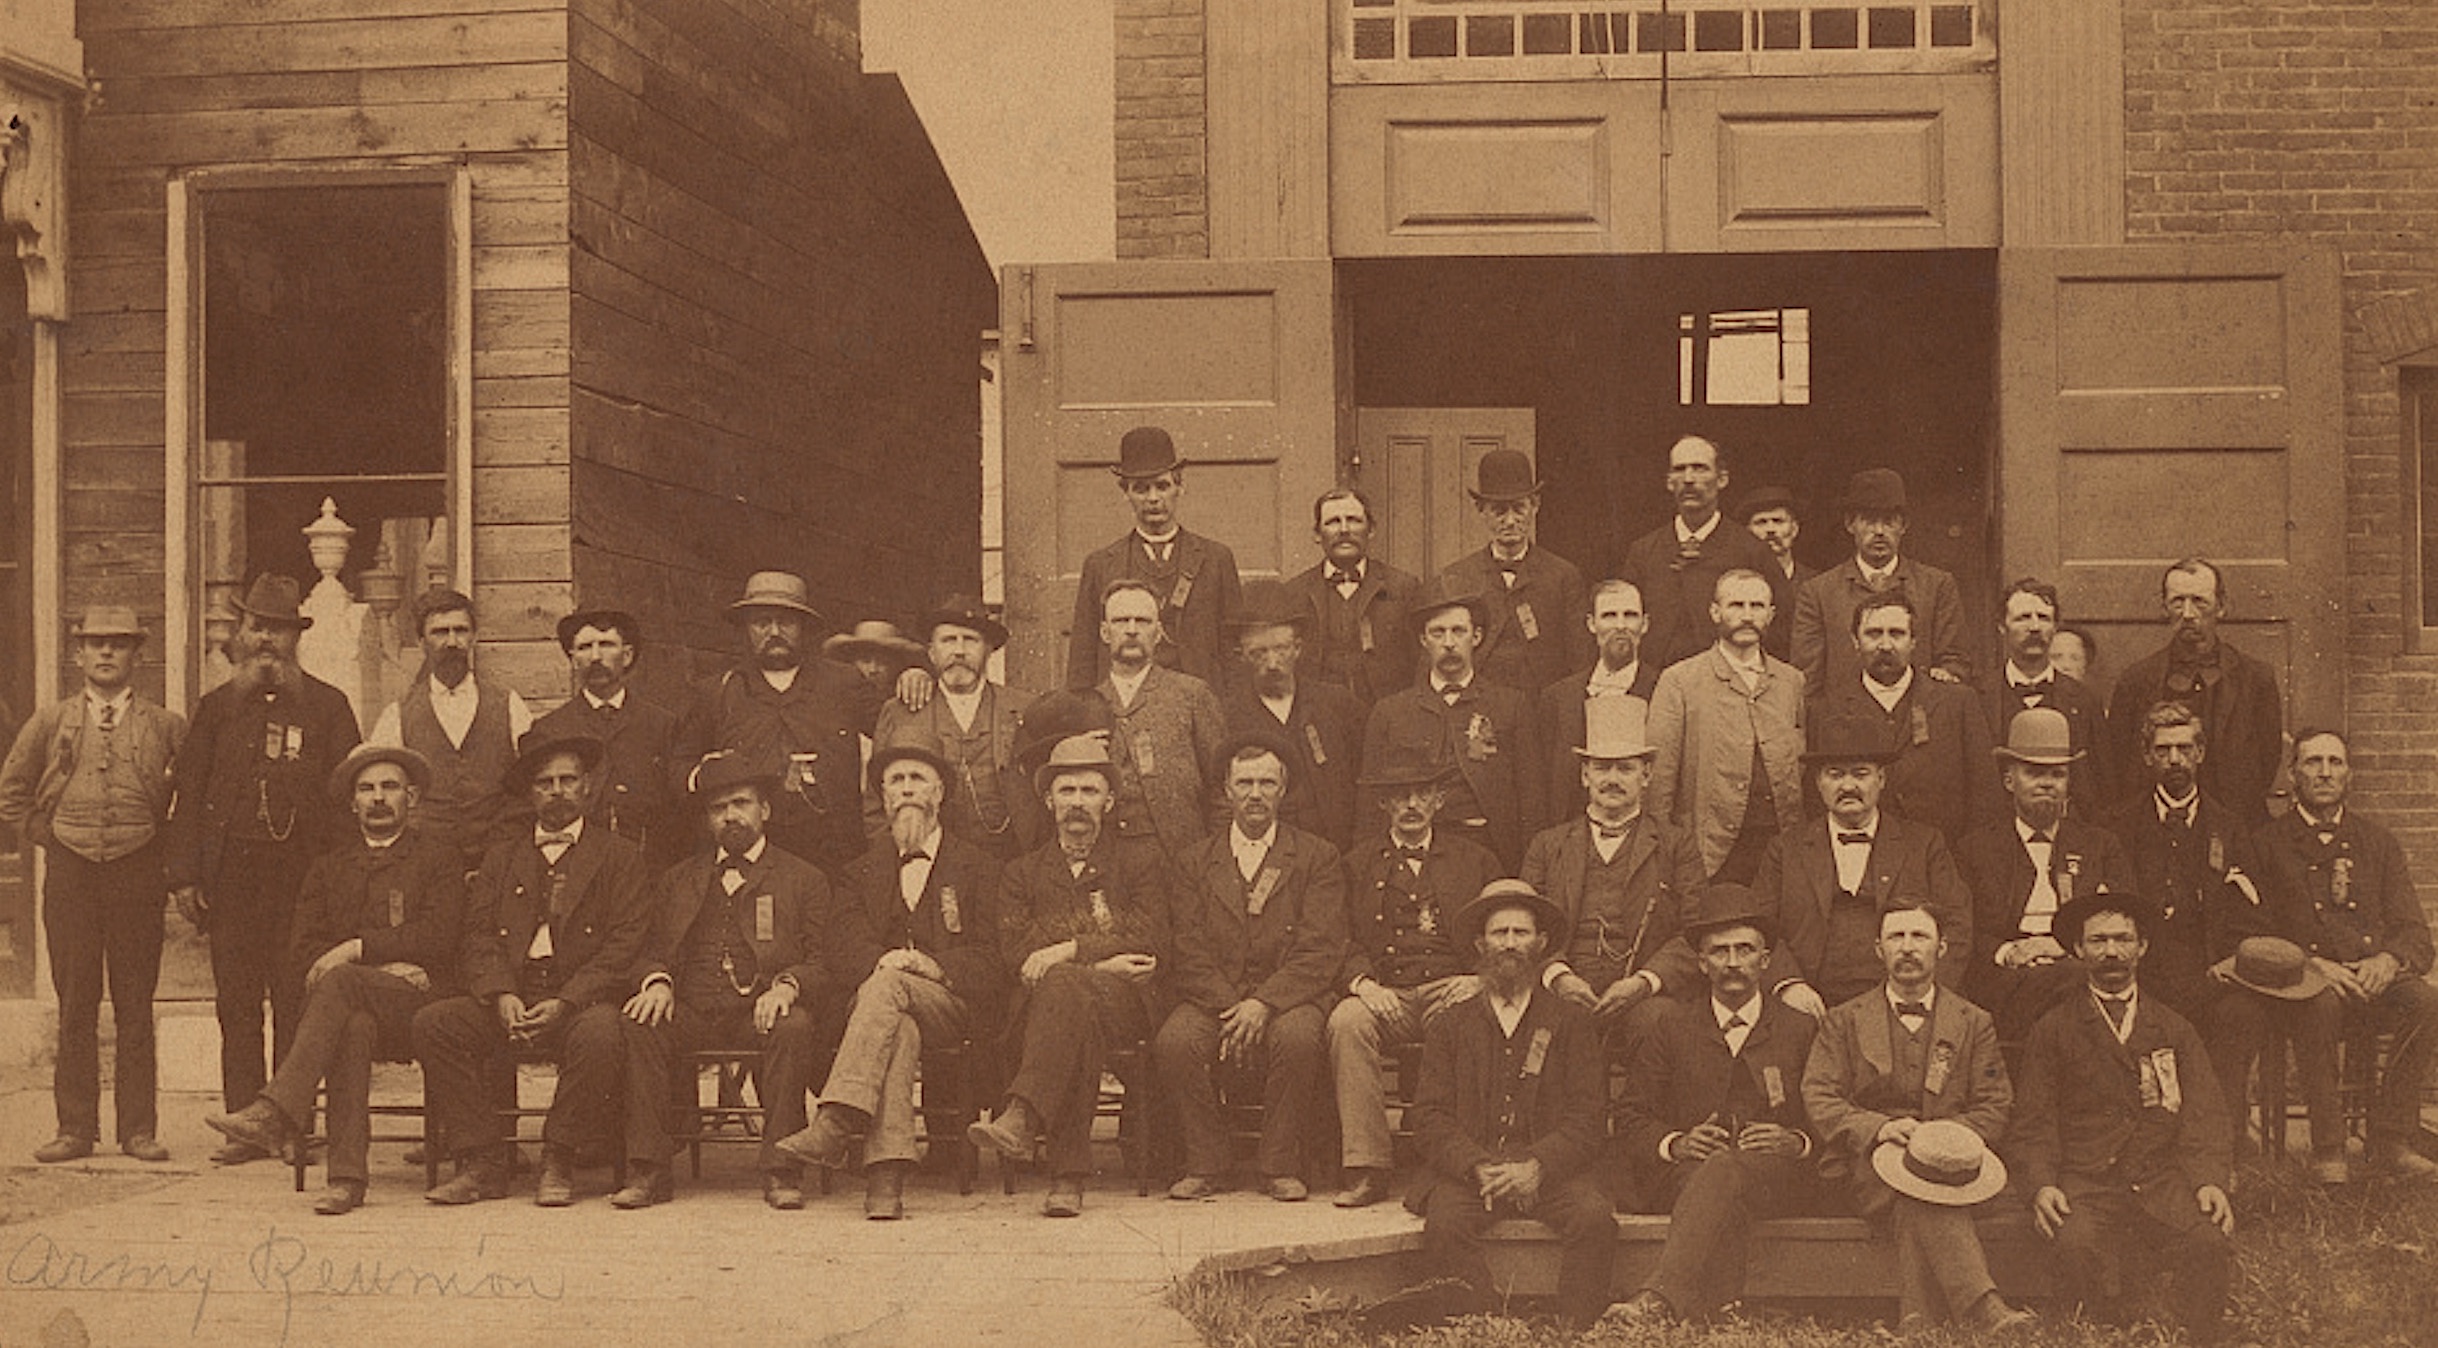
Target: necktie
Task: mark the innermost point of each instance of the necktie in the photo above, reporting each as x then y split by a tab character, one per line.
2116	1007
732	872
1449	695
110	716
1506	572
1605	832
1862	838
1412	855
2033	694
1734	1023
1913	1008
906	859
2180	820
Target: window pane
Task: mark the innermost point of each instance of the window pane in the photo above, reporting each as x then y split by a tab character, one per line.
1892	28
1430	37
1951	25
1781	29
1836	29
1489	35
1718	30
1546	35
1375	39
1660	32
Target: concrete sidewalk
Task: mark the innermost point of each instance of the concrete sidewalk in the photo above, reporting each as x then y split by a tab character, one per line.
236	1257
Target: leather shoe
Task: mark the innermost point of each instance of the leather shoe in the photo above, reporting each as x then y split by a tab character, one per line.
1370	1186
238	1153
557	1186
1645	1307
64	1148
1011	1134
259	1125
1192	1187
340	1198
1066	1198
784	1192
477	1179
145	1147
884	1191
822	1143
645	1186
1286	1189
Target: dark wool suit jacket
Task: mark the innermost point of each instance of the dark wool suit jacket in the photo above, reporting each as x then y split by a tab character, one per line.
406	902
1676	592
1454	872
1944	775
1365	644
963	937
636	793
822	713
598	930
1680	1073
1324	728
2204	913
1507	778
1561	711
1289	953
2080	1121
1664	872
1560	1110
990	746
2242	718
222	780
2084	858
1784	590
1177	727
2086	720
1910	866
1202	568
1042	903
1824	622
1854	1055
1552	591
2379	912
816	936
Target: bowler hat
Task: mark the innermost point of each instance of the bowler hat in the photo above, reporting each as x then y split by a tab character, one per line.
343	777
1270	741
1725	903
1848	739
1443	593
1076	753
2039	735
1269	603
907	742
274	599
108	620
966	611
2274	966
538	749
727	769
1763	498
2066	926
1875	491
1505	475
1945	1163
1405	767
775	589
1616	727
1500	894
1054	716
873	639
1146	451
606	619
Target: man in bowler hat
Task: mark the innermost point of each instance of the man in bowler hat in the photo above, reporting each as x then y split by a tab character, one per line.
1192	578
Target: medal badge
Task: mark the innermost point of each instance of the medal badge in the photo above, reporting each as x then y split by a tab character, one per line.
765	919
1921	727
1481	738
1525	619
2065	880
2340	880
1312	740
1774	1082
1537	1053
2217	854
1184	590
1264	885
1101	916
1942	1064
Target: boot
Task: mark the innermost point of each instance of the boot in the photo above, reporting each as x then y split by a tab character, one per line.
343	1196
884	1192
823	1143
1013	1134
259	1125
646	1184
557	1187
483	1175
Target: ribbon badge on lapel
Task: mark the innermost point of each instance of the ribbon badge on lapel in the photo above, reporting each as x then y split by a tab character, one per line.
950	915
2065	881
1942	1063
2340	881
1481	738
1101	916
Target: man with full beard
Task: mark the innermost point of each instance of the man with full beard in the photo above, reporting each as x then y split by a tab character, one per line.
974	724
466	725
250	814
635	800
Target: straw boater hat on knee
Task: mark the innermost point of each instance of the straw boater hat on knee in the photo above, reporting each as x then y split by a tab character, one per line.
2273	966
1946	1163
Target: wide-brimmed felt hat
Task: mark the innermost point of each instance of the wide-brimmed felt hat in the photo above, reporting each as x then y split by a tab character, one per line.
727	769
1146	451
1511	894
108	620
2039	735
873	639
907	742
775	589
1763	498
964	610
2275	967
1505	475
1616	726
1848	739
275	599
1274	741
1945	1163
1269	603
1054	716
606	619
2066	926
1398	769
1875	491
537	749
1724	903
1087	752
343	777
1442	593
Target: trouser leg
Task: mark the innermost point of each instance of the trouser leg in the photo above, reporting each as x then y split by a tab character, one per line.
652	1088
2408	1009
131	948
1074	1014
1291	1081
457	1040
1186	1055
584	1110
1360	1076
1453	1221
1939	1259
2235	1030
789	1053
881	1054
352	1014
2084	1247
72	924
1586	1223
1710	1228
2314	1027
252	899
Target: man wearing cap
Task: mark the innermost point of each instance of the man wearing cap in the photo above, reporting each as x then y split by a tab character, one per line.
1260	928
2027	678
928	961
378	923
1359	604
87	781
1712	1121
1829	879
1532	600
555	921
1168	732
1084	922
1406	963
2367	933
1726	729
1907	1089
974	724
1941	774
2212	896
1824	605
1317	724
465	724
636	800
784	703
1768	514
2234	694
2120	1133
1617	670
1460	719
1676	566
744	941
252	809
2022	869
1509	1115
1192	579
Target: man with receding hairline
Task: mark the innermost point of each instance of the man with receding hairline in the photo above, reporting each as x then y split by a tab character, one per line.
1677	565
2235	695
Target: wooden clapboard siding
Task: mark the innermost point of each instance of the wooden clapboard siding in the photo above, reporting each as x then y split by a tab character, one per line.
776	311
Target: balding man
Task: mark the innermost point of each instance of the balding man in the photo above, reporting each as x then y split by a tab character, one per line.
1619	669
1727	730
1677	565
2235	695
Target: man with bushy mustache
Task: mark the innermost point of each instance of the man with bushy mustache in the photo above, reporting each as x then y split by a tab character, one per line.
1727	731
635	800
466	725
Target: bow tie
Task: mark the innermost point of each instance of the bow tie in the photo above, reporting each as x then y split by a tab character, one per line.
1337	577
2028	691
1845	838
1505	567
554	840
909	858
1734	1022
1913	1008
1405	853
731	862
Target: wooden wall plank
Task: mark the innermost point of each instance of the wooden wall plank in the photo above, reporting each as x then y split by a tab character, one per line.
94	19
520	495
277	43
299	135
520	436
336	88
520	553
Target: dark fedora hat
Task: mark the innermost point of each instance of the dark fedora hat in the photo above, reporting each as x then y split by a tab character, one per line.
966	611
1146	451
1500	894
1724	903
1848	739
1269	603
1403	767
606	619
2066	926
727	769
1505	475
1875	491
909	742
1058	715
1442	593
275	599
1771	497
343	777
538	749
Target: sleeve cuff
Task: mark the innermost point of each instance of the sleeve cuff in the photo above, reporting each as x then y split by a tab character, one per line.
1557	969
661	978
1653	979
1667	1146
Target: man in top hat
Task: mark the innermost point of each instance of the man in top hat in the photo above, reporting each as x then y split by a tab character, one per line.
1727	728
1084	922
467	725
378	923
1532	600
975	724
555	921
2024	868
1360	604
2211	895
1509	1113
1458	717
1711	1121
1829	879
745	939
1676	566
2028	678
2367	933
930	973
2234	694
788	705
1907	1091
1618	670
637	799
2120	1133
1192	579
1318	724
1260	926
1406	963
1941	773
1169	727
1768	513
251	810
87	781
1824	605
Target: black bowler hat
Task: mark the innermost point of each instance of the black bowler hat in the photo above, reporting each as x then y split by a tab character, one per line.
1505	475
1876	491
1146	451
966	611
1763	498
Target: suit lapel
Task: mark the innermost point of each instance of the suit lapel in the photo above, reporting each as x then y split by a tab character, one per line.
1947	1028
1871	1033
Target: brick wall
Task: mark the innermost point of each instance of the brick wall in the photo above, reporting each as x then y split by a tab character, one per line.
1163	187
2319	121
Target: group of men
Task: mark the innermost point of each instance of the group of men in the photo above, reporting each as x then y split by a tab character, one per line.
1849	925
